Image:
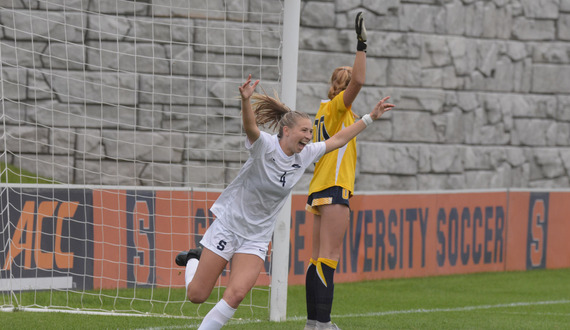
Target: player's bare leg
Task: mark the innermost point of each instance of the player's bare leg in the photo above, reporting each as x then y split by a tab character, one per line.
335	218
209	269
244	271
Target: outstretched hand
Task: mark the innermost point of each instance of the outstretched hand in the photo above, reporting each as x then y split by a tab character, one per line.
380	108
359	27
246	90
360	32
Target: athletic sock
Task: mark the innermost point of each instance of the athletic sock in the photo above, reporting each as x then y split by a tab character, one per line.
217	316
191	267
325	288
310	290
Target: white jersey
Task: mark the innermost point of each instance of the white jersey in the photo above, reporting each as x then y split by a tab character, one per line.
249	205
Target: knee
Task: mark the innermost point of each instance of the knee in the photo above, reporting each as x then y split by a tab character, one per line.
234	297
196	296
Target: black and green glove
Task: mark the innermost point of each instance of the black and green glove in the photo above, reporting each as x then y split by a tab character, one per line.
360	32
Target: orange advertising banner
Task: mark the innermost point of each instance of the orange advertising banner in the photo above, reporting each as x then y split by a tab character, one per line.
411	235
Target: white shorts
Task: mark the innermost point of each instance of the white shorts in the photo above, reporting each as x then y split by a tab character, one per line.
226	243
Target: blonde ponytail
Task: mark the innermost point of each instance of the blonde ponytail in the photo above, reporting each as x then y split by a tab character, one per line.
339	80
273	113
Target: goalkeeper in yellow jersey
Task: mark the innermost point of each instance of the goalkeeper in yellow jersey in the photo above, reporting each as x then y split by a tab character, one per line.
332	185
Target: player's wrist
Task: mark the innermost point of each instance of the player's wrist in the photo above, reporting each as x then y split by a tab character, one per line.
361	46
367	119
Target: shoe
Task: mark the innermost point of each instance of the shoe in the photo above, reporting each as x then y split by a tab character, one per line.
310	325
183	257
326	326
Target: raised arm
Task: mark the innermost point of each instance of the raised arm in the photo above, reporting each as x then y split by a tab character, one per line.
341	138
359	67
249	124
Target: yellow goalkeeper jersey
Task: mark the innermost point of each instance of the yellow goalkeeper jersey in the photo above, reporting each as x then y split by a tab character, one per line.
337	168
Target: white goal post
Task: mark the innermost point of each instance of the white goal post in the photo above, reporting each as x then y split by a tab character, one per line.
119	126
280	270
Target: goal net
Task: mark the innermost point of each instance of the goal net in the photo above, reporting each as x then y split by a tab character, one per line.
119	126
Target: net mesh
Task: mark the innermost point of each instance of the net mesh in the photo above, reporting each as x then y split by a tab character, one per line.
120	125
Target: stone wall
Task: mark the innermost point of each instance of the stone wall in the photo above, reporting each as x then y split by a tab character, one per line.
482	88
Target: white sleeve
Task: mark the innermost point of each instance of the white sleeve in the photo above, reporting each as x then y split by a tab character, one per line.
260	146
315	152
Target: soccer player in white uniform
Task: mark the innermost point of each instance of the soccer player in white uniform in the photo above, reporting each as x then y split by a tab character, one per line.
246	210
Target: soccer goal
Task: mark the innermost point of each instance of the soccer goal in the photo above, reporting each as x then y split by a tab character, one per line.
120	125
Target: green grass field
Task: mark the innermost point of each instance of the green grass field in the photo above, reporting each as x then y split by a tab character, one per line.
538	299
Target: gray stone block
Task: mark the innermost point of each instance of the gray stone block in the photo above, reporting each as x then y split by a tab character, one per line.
563	108
128	57
204	120
413	127
21	53
118	7
237	38
215	147
162	175
381	183
565	5
532	132
418	18
144	146
204	174
213	9
530	29
551	52
168	89
346	5
476	158
54	167
38	88
42	25
550	79
474	19
62	141
541	8
107	172
320	66
27	139
376	158
14	83
64	55
93	88
440	182
318	14
64	5
394	45
330	40
563	27
89	145
14	112
565	157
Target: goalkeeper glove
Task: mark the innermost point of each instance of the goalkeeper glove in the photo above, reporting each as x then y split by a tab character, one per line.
360	32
